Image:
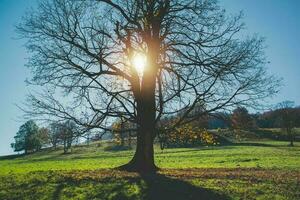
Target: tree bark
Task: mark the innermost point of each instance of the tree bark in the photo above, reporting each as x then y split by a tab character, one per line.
143	159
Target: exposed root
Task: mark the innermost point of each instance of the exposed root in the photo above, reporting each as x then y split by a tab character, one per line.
141	168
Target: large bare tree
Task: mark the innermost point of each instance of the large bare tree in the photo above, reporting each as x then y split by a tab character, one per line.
195	55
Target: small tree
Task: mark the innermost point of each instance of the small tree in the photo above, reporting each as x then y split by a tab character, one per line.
288	118
118	132
43	136
54	134
122	132
68	132
27	138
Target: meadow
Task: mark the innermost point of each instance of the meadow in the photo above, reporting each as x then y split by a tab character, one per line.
246	170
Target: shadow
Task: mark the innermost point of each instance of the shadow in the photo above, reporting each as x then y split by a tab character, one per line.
57	192
117	148
60	156
143	187
21	155
10	157
255	144
163	187
193	149
73	156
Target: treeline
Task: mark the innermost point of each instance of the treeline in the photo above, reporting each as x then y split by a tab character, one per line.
285	116
240	118
277	118
31	138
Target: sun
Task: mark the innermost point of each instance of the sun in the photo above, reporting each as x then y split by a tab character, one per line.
139	62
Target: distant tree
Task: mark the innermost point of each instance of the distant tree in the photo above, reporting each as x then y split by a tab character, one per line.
219	120
27	138
19	144
68	132
241	119
288	118
43	136
122	132
271	118
54	134
266	119
119	132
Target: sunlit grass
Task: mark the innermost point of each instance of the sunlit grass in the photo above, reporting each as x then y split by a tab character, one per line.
270	155
252	170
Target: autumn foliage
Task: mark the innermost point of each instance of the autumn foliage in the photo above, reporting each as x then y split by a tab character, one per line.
185	136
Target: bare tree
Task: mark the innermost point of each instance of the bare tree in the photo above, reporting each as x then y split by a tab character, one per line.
288	118
54	132
64	133
194	56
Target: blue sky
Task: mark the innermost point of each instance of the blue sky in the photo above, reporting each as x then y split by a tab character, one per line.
277	20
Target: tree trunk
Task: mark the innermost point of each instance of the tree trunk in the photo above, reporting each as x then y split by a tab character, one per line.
143	159
291	136
65	145
291	139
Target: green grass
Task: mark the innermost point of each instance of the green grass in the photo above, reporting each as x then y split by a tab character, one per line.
248	170
268	155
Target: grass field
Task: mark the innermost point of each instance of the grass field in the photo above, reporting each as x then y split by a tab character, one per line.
249	170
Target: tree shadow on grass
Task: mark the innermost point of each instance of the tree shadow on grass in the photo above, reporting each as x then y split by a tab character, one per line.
10	157
72	156
143	187
163	187
106	185
257	144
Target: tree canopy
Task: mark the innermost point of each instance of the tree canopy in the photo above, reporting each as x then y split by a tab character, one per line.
27	138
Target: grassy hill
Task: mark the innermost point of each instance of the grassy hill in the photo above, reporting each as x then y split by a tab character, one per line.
246	170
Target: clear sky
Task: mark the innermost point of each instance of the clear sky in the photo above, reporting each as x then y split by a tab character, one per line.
277	20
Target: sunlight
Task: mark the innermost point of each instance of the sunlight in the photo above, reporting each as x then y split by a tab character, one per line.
139	62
